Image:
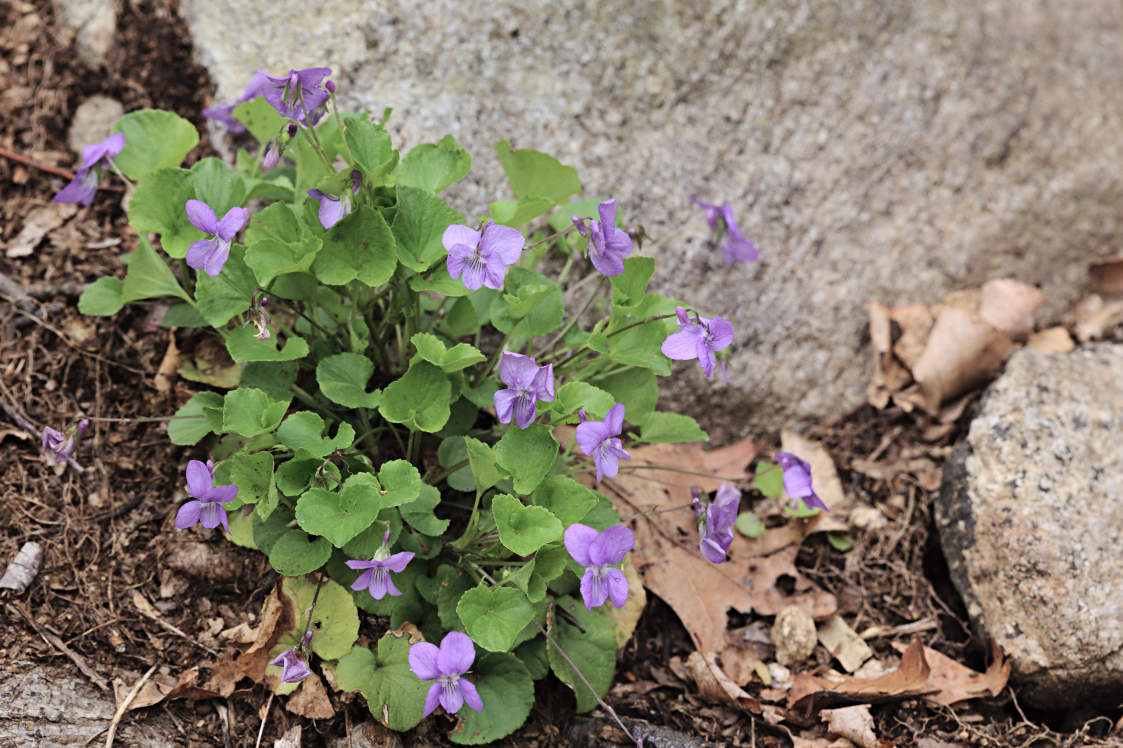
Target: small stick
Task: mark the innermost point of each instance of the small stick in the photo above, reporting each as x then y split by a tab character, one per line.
125	706
57	171
264	717
171	627
55	642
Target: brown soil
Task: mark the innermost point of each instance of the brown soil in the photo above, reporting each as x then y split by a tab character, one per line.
109	531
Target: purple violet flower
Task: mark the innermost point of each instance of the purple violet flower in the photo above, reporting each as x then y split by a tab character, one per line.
527	383
225	114
376	578
600	440
607	245
209	255
698	338
444	666
297	93
717	526
332	208
292	663
95	160
207	510
797	480
59	447
734	248
482	256
597	552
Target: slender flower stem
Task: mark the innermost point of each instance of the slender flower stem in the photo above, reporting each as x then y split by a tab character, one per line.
551	237
494	360
625	328
25	424
436	314
651	512
631	468
572	320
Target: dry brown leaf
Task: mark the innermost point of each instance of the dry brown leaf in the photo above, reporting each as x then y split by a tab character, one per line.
165	375
855	723
910	679
715	686
152	692
915	322
952	682
843	643
925	471
293	738
39	223
311	700
1009	306
1095	316
1106	275
963	351
666	551
827	483
211	364
1052	340
277	617
890	371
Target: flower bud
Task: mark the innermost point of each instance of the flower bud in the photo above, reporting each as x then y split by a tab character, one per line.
292	129
271	158
330	86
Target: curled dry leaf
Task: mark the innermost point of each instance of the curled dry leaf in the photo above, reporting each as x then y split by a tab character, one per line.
952	682
843	643
1095	316
169	365
1009	306
24	568
715	686
666	553
1052	340
963	351
1106	276
39	223
910	679
311	700
855	723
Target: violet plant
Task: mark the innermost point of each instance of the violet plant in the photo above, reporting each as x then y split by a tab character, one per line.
414	412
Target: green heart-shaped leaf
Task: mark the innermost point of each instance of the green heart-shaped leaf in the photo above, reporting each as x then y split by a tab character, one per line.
524	529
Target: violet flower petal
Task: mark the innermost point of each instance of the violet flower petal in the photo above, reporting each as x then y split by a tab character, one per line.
433	697
423	660
200	482
611	545
617	585
503	242
504	404
188	515
578	538
451	697
456	654
471	695
201	216
232	223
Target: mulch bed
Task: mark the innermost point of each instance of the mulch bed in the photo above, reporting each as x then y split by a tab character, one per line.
109	531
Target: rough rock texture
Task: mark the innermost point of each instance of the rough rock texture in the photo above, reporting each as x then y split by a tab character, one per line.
1031	521
93	23
43	706
93	121
873	150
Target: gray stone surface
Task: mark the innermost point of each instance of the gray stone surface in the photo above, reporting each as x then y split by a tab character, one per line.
93	121
43	706
1031	520
872	150
93	23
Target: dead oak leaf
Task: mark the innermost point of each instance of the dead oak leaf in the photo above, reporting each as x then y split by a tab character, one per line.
952	682
910	679
311	700
666	552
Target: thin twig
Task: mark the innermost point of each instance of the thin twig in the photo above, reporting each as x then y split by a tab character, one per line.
264	717
124	706
592	690
172	628
57	171
55	642
65	339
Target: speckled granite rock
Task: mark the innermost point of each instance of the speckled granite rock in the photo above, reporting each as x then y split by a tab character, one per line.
1031	521
93	121
872	150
